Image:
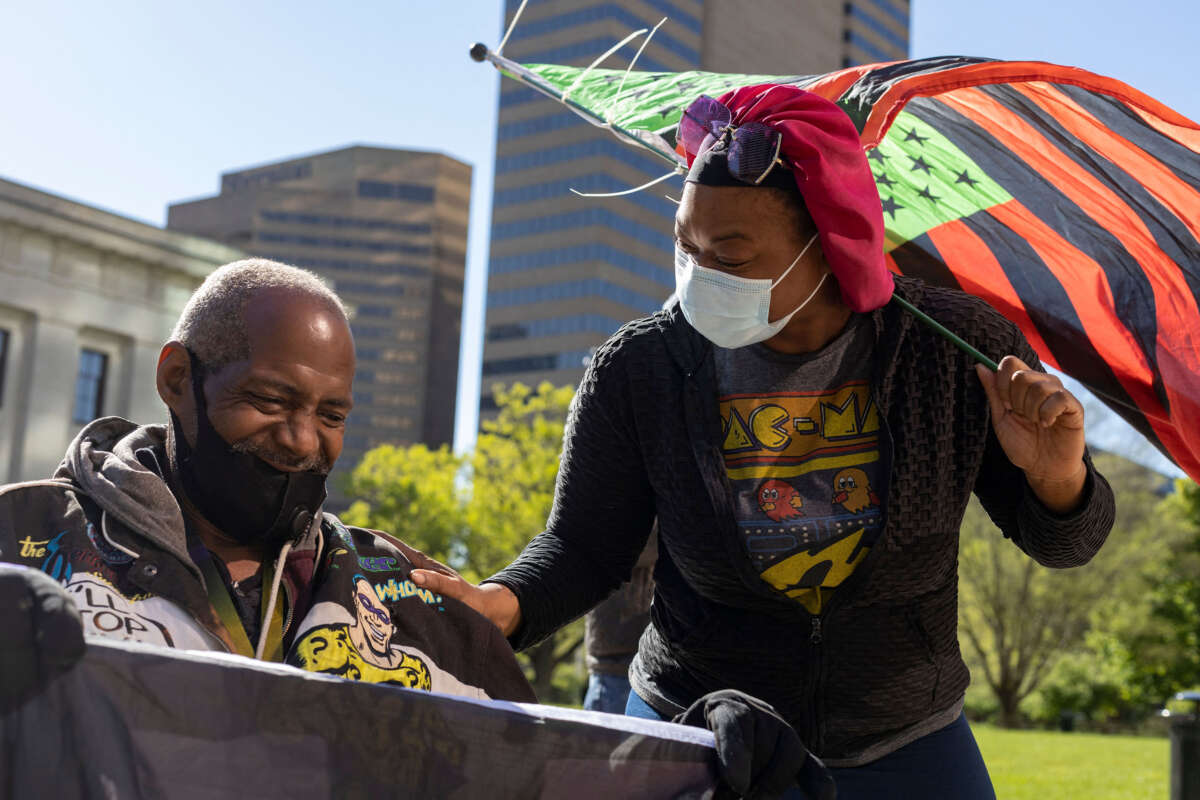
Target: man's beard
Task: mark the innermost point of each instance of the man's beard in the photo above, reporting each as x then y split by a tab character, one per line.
279	459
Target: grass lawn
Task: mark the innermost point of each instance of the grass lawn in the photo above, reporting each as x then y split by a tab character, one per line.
1066	766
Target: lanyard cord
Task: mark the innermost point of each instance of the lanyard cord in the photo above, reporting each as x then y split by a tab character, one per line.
270	641
269	611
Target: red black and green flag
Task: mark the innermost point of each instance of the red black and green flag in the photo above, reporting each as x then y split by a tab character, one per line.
1067	200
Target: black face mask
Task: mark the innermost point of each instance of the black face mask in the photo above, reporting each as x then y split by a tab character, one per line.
246	498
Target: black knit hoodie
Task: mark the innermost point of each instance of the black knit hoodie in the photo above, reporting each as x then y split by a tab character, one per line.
644	440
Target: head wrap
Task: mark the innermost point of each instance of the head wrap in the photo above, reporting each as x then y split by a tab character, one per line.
829	167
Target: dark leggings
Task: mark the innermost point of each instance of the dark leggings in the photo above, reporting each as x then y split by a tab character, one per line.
943	764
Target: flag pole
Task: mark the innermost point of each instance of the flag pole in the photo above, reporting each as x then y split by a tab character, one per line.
946	333
480	52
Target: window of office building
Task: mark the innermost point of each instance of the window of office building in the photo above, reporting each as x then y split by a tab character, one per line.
575	359
404	335
400	355
554	326
409	312
396	400
866	45
4	339
868	19
272	237
89	385
300	218
610	12
594	251
396	378
379	190
566	290
339	265
370	331
590	148
393	421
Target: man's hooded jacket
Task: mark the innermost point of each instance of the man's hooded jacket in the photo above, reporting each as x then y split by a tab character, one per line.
109	529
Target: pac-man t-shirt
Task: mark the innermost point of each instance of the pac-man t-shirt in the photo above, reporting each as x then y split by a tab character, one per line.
801	441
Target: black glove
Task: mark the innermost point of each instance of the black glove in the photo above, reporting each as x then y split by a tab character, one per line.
759	755
41	634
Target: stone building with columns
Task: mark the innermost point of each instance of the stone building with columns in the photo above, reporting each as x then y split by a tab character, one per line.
87	298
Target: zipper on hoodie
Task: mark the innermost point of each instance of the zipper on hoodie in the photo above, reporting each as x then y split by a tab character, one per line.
291	609
819	625
817	657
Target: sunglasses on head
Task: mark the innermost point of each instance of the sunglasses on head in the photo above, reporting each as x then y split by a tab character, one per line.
752	149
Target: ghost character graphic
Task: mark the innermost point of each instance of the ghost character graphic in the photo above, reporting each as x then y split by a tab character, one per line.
852	490
779	500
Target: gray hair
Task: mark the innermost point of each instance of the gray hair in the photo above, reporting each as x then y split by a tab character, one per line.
212	325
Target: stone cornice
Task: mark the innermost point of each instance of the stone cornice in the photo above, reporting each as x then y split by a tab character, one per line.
108	232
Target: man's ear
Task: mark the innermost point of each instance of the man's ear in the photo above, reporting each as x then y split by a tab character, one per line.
174	381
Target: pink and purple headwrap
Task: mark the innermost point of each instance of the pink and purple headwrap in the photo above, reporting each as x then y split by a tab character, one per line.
822	147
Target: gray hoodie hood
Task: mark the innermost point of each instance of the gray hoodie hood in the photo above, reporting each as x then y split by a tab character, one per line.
102	463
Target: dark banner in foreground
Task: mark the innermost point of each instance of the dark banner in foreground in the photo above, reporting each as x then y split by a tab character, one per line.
138	722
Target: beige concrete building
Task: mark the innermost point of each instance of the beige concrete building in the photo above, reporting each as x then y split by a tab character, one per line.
87	298
388	229
566	271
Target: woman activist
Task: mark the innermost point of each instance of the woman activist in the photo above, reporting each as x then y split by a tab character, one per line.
808	448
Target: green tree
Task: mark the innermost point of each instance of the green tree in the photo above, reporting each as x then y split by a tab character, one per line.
1141	646
1097	680
1017	619
1166	646
411	493
476	511
512	472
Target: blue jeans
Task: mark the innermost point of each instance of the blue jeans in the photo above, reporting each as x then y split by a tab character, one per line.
606	693
637	707
945	763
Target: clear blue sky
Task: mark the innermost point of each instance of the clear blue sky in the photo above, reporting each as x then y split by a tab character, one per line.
132	105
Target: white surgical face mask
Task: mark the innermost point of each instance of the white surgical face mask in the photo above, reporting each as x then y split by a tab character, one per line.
731	311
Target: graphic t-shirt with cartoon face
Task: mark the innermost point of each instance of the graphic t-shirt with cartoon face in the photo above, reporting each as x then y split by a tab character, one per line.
801	441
